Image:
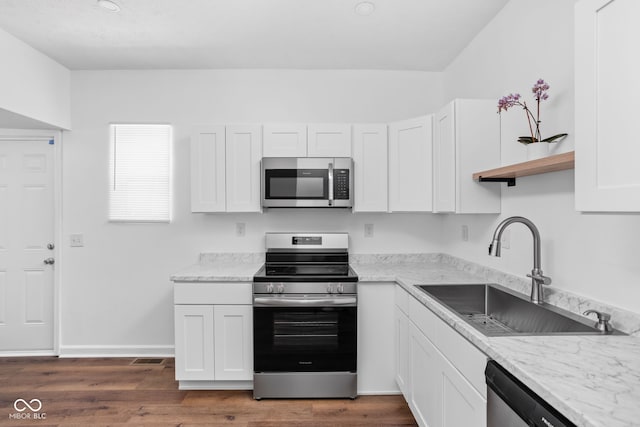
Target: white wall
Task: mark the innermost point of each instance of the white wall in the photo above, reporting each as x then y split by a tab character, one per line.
32	86
115	290
595	255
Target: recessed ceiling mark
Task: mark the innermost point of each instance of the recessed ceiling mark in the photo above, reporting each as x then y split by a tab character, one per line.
365	8
109	5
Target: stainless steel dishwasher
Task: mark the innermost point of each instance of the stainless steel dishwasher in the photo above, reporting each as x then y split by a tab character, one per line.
512	404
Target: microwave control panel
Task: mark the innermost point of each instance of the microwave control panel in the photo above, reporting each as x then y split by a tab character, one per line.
341	184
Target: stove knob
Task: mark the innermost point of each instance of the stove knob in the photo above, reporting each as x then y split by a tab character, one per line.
270	288
330	289
340	288
280	288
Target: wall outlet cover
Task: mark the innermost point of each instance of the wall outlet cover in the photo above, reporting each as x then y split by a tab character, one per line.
368	230
76	240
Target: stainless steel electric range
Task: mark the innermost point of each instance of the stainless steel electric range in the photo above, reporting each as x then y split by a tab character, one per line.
305	318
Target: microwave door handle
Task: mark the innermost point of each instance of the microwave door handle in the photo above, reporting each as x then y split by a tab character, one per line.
330	184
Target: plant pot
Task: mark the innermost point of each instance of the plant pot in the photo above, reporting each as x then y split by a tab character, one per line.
537	150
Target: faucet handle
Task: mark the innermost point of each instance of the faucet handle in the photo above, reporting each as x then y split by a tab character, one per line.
540	278
603	321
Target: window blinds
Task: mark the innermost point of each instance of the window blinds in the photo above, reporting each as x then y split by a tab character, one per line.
139	173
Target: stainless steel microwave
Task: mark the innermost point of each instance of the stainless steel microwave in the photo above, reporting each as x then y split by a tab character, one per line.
307	182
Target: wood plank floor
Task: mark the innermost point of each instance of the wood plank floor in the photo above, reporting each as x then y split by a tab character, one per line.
113	392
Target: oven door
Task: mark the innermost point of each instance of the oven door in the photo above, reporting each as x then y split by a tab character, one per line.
293	334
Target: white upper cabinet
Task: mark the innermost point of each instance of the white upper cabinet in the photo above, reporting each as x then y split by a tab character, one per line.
329	140
466	140
370	164
243	154
314	140
225	168
607	100
208	169
410	163
284	140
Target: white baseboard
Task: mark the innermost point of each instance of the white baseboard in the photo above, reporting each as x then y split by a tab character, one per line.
30	353
117	351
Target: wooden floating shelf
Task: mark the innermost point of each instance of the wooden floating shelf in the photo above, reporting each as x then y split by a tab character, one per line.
508	174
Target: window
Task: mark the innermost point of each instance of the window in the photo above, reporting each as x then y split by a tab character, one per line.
139	173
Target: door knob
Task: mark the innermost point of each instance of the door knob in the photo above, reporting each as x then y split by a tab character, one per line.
49	261
51	246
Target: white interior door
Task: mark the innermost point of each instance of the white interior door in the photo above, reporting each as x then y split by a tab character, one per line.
26	231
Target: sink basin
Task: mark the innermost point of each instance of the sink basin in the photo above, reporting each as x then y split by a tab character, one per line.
498	311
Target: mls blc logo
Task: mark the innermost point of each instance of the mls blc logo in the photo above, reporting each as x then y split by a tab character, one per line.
21	406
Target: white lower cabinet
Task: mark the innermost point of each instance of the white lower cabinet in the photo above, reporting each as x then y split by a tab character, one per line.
213	342
376	367
233	342
440	373
194	342
425	385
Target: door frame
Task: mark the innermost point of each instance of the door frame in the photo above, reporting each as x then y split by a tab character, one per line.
56	136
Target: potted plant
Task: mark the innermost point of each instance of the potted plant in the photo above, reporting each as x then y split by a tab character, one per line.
536	146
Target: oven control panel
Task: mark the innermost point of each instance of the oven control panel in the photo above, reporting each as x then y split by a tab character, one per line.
306	240
305	288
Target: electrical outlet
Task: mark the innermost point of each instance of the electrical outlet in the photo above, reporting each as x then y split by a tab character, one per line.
465	233
76	240
368	230
240	229
506	239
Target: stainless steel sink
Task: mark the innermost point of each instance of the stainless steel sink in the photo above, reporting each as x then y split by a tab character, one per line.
498	311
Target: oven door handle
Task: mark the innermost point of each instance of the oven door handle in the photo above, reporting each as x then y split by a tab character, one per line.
304	302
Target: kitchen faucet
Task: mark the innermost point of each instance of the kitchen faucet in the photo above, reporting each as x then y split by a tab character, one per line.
537	278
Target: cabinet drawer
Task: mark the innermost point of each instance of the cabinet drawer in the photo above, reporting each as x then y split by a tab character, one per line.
463	355
212	293
402	299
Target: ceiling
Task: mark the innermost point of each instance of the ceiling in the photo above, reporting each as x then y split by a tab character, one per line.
201	34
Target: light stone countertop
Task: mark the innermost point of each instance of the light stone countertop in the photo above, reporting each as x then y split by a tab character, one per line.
593	380
221	267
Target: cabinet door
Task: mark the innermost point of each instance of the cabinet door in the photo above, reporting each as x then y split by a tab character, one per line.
462	405
284	140
425	395
466	140
607	101
243	154
329	140
444	160
233	331
370	162
194	342
208	169
410	162
402	352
